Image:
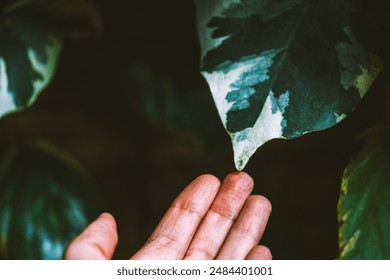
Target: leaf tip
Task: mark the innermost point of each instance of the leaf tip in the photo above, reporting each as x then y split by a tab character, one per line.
240	164
242	154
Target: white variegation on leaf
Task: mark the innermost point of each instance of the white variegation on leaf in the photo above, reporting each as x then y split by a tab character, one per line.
347	53
43	74
7	103
31	36
226	80
279	69
44	69
268	126
205	11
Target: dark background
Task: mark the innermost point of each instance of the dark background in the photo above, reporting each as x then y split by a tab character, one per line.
133	109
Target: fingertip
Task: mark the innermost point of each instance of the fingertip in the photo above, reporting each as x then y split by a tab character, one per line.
240	179
260	202
106	215
97	241
242	174
205	184
107	220
208	179
260	252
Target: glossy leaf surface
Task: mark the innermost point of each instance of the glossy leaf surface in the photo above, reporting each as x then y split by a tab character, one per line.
280	69
45	202
31	36
364	205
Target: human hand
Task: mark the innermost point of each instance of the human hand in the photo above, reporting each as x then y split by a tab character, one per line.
208	220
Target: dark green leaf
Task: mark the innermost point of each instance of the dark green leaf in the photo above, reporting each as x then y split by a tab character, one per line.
31	35
364	205
155	93
45	201
280	69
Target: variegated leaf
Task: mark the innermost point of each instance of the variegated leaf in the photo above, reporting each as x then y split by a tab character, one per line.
31	34
280	69
364	205
45	202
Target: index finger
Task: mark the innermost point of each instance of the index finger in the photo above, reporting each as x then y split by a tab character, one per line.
173	234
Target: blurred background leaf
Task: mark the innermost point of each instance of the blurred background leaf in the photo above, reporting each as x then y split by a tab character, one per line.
45	201
31	37
364	205
280	69
156	94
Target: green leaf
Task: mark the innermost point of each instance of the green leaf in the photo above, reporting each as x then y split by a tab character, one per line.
45	201
280	69
156	93
31	36
364	205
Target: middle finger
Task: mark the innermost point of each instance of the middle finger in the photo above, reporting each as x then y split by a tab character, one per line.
215	226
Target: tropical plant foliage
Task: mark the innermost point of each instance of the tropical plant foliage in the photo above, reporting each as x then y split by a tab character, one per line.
45	201
276	69
364	205
31	37
280	69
